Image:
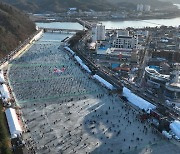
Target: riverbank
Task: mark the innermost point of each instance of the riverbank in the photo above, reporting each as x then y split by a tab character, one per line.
21	49
5	141
121	24
135	18
175	14
141	23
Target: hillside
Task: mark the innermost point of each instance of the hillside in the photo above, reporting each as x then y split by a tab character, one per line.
40	6
153	3
14	27
173	1
59	5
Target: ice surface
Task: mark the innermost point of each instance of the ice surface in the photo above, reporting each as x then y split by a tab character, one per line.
72	113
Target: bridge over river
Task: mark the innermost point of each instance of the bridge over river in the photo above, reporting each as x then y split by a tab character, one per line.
60	30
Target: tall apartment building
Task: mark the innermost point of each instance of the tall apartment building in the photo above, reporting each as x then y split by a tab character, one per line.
98	32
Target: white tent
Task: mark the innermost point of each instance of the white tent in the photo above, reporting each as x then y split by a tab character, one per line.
175	127
136	100
78	59
4	91
104	82
85	67
68	49
13	123
82	64
2	80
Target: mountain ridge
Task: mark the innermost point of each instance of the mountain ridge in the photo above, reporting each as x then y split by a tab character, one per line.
39	6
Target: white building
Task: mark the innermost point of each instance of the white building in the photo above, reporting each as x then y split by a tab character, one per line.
101	32
175	127
145	8
2	80
98	32
4	92
137	101
140	7
127	42
94	33
73	9
13	123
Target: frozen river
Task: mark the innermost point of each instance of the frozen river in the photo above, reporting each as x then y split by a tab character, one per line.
68	112
61	25
141	23
116	24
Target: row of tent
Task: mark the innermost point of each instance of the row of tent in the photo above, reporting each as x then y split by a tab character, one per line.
13	123
104	82
2	80
5	95
147	106
174	131
11	116
12	119
175	127
85	67
138	101
131	97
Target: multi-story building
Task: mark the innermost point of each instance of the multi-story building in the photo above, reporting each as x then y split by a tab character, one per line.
147	8
140	7
172	91
154	79
127	42
98	32
94	33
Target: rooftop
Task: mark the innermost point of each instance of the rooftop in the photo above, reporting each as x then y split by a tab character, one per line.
125	37
155	74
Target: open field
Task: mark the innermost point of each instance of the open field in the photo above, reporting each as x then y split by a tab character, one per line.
68	112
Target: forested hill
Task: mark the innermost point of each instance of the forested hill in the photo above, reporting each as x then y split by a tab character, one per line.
42	6
15	27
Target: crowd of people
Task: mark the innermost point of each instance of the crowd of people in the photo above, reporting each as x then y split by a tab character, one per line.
69	112
37	80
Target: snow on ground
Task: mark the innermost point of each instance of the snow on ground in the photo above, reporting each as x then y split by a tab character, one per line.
68	112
